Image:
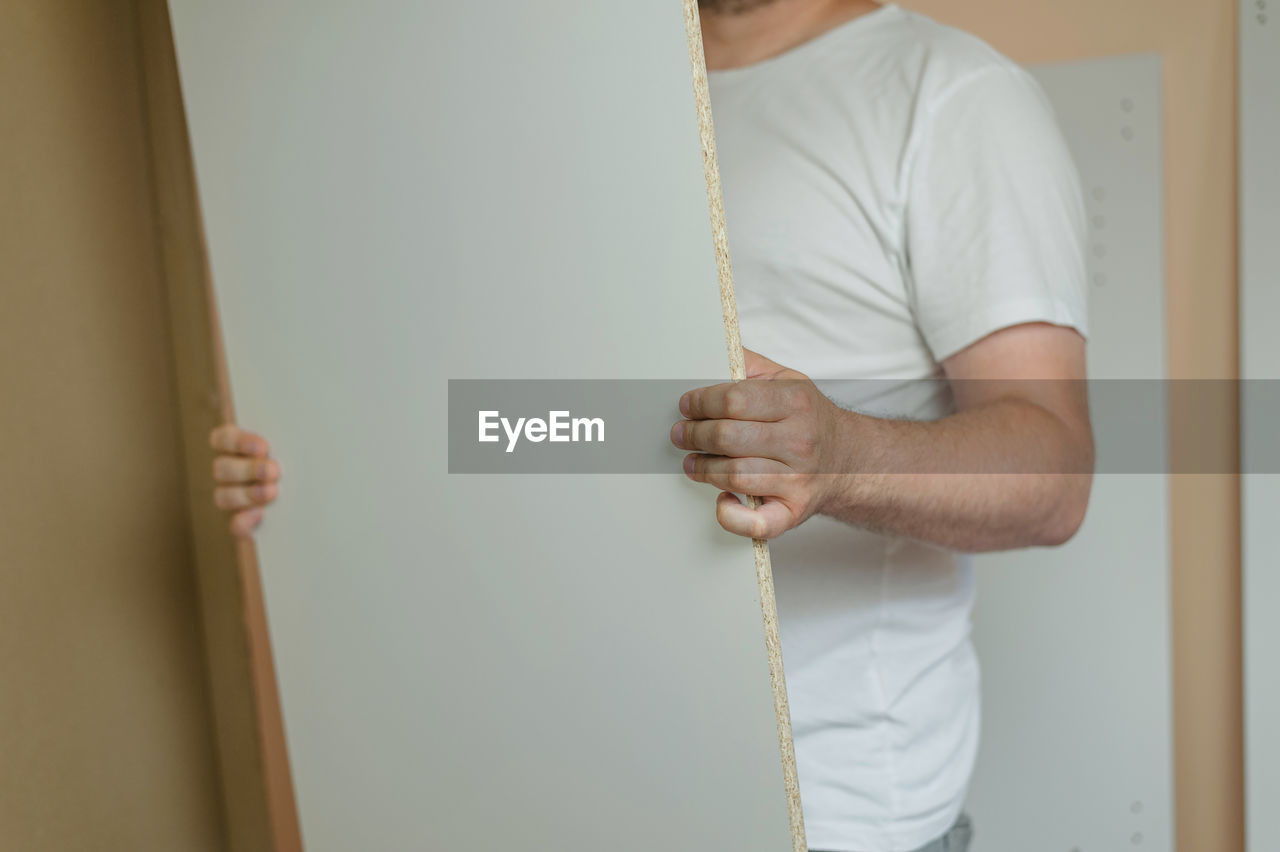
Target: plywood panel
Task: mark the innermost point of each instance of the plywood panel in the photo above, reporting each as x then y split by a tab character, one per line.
104	721
1074	641
486	662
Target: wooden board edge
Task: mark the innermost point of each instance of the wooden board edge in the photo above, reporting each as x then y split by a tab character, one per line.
737	372
256	786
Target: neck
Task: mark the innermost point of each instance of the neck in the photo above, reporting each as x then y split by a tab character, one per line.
732	39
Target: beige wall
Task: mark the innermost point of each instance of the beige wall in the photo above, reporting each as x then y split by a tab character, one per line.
1197	42
105	730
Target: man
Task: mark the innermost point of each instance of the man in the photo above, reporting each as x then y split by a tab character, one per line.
907	229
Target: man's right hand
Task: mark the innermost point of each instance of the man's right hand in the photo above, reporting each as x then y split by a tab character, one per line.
247	478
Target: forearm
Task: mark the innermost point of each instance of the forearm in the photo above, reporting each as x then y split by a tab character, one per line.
1003	475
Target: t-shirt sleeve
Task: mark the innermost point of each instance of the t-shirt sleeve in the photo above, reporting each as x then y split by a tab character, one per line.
996	231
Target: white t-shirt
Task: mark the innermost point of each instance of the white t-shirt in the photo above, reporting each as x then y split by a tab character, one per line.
895	190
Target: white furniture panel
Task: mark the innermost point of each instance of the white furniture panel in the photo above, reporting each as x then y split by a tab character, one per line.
1260	368
401	193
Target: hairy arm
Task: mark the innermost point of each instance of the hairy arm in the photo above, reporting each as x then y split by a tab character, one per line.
1011	468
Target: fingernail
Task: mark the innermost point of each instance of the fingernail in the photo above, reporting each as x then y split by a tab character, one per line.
688	465
684	405
677	434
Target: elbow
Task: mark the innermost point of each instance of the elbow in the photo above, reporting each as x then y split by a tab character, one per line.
1067	511
1067	496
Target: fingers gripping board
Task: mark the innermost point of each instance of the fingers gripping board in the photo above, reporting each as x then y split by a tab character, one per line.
397	194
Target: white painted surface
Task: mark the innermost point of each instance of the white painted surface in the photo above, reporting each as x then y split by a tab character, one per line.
479	664
1260	360
1074	641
